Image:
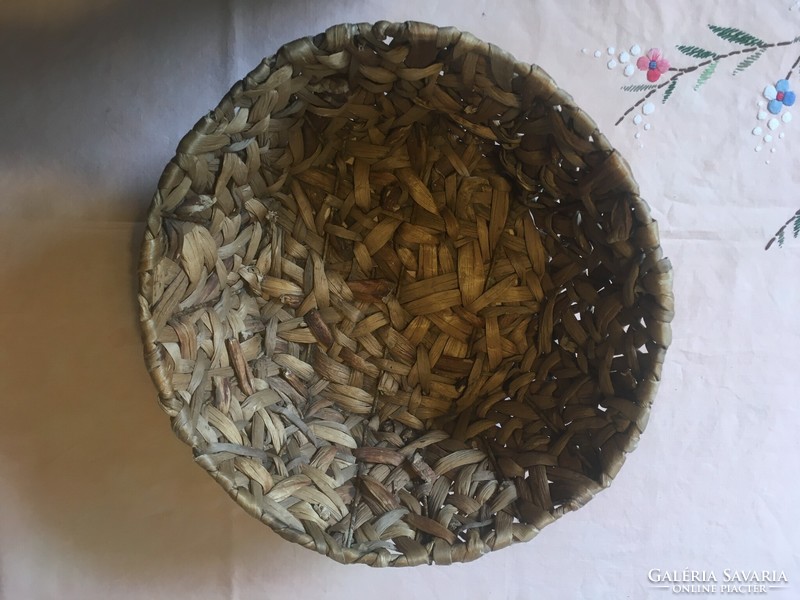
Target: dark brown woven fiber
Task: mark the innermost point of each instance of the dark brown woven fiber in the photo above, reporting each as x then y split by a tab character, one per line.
402	298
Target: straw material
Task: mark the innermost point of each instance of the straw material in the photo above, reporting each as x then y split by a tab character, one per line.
401	297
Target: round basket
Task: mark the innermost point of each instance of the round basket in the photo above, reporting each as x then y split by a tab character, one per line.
402	298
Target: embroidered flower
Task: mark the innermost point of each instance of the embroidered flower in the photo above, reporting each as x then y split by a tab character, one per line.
779	95
653	63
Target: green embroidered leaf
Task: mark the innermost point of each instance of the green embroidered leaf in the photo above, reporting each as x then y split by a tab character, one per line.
669	90
642	87
695	52
780	235
748	61
736	36
705	75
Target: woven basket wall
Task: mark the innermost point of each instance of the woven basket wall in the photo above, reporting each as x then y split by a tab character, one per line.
402	298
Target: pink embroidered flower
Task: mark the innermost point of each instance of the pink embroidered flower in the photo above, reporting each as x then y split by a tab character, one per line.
653	63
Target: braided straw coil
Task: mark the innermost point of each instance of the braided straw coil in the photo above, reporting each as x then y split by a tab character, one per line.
402	298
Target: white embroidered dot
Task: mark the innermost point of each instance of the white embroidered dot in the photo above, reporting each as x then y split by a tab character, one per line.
635	50
761	103
624	57
768	138
766	162
585	50
637	119
773	150
638	135
782	135
787	116
611	64
649	108
758	148
773	124
762	115
758	131
611	50
647	126
597	54
629	70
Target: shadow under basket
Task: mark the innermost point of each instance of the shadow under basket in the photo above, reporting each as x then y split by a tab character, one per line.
402	298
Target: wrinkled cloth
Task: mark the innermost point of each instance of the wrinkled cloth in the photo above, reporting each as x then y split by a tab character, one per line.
97	497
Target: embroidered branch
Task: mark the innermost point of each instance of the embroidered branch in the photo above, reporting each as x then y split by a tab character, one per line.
760	47
794	220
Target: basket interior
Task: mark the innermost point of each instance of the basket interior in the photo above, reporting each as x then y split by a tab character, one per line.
401	297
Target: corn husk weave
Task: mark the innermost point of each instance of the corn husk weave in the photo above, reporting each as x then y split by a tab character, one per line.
402	298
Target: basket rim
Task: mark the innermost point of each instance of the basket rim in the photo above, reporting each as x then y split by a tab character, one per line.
408	31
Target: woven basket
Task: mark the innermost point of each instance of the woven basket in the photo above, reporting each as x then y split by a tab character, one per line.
402	298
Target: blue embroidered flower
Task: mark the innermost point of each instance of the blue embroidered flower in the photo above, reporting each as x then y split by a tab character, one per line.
779	95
